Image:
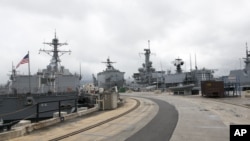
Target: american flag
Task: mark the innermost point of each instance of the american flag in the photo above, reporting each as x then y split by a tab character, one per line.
24	60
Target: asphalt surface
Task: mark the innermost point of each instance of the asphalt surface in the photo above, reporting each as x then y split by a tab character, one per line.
115	130
161	127
199	119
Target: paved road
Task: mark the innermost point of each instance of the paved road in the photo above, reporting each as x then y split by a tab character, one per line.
155	120
161	127
123	127
199	119
116	130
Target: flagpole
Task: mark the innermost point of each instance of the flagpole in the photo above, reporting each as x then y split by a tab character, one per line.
29	72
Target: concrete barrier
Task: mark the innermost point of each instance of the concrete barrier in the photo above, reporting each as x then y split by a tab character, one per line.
22	130
157	91
247	95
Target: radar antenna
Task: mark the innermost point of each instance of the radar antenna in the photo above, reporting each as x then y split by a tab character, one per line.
178	63
55	51
109	64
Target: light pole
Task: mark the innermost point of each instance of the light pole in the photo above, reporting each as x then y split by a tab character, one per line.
240	63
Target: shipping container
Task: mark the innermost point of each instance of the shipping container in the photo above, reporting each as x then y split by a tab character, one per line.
212	88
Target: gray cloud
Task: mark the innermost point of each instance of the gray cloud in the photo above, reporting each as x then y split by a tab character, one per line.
216	31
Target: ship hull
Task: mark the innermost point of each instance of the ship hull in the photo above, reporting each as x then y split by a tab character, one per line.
182	87
110	79
25	107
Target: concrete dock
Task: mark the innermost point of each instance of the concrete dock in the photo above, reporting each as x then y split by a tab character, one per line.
199	118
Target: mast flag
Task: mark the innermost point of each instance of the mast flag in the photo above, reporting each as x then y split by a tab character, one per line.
24	60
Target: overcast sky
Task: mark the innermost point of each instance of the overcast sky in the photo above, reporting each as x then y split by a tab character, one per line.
215	30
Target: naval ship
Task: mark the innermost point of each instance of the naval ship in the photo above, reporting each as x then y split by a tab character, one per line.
148	78
191	79
20	96
110	77
147	75
242	75
179	77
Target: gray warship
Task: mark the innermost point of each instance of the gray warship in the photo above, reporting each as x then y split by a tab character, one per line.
110	77
190	79
179	77
147	75
19	97
148	78
241	76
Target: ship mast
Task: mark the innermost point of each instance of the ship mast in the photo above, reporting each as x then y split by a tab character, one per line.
55	61
109	64
147	57
247	59
148	63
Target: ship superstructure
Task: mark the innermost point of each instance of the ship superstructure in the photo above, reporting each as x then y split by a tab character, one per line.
179	77
110	77
242	75
184	78
49	80
51	84
147	75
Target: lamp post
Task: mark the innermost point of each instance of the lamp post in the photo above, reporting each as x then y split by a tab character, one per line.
240	63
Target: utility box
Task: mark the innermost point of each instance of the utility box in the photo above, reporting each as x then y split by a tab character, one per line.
108	101
212	88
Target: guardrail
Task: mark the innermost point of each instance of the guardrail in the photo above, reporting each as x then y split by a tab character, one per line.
59	108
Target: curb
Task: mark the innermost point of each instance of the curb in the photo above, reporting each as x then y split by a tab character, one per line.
20	131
